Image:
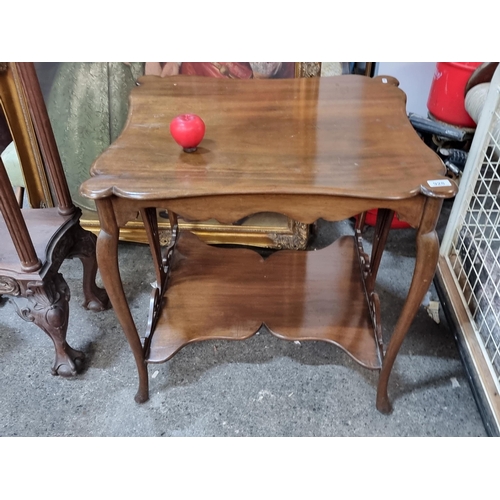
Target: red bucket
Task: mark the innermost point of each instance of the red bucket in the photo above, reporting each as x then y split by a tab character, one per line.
447	94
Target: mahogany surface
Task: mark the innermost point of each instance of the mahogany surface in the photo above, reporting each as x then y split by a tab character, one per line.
307	148
230	293
301	136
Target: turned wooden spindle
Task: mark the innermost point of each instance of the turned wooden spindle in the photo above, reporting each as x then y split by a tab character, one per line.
45	136
16	225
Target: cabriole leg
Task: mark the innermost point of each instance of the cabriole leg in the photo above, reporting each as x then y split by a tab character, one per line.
96	299
47	305
107	258
427	254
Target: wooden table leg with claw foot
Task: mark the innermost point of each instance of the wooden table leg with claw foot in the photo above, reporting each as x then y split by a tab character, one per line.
34	241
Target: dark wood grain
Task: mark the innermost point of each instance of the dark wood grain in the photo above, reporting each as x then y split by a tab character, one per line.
218	293
344	135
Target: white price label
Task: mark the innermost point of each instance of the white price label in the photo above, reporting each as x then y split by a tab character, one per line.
439	183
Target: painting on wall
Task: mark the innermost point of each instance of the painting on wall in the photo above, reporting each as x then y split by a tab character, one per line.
240	70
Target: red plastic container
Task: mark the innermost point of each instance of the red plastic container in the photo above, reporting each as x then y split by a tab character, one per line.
447	94
371	220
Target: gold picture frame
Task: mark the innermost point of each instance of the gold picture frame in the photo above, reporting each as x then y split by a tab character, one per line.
266	230
14	110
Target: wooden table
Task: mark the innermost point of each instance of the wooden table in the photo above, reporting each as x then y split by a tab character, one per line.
329	148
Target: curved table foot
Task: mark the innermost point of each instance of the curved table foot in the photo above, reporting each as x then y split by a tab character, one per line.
96	299
68	361
98	303
425	267
143	392
383	404
47	305
107	257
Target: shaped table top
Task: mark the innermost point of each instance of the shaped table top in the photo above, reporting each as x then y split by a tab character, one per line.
344	135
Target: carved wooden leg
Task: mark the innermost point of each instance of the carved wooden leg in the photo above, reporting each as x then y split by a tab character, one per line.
96	299
107	258
47	305
425	267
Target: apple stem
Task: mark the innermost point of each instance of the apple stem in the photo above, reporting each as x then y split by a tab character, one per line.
190	150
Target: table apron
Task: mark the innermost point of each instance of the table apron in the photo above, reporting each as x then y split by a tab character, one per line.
227	209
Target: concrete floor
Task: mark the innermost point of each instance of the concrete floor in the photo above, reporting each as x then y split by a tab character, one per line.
263	386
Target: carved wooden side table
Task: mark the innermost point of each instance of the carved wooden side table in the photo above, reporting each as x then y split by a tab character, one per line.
35	241
327	147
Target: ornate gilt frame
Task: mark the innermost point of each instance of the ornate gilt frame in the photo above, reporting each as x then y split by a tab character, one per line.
14	107
266	230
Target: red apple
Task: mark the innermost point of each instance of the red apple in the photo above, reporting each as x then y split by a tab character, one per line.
188	131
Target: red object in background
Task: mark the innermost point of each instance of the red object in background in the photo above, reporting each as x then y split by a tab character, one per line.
188	131
217	70
447	94
371	220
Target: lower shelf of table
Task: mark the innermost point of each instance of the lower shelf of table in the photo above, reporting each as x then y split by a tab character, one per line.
222	293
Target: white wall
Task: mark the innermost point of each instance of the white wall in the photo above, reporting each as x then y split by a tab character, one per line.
414	79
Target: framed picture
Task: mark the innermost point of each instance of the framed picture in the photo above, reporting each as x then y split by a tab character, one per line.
88	105
18	144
